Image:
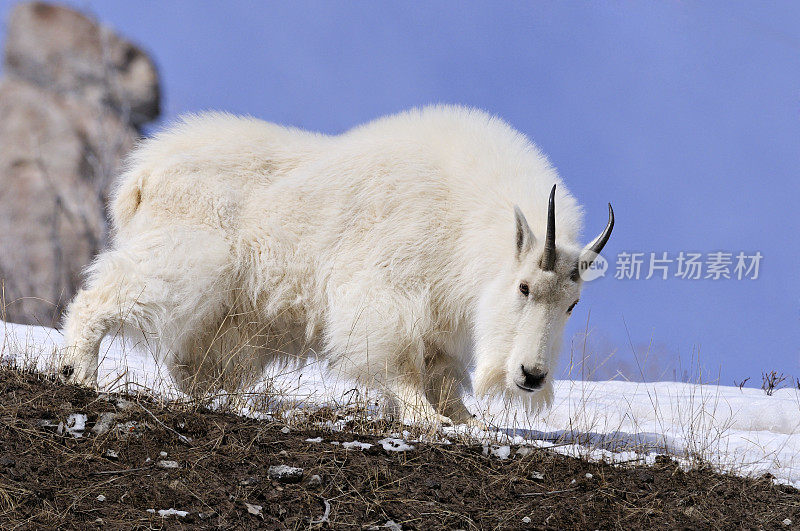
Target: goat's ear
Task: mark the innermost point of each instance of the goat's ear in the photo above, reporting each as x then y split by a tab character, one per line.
525	239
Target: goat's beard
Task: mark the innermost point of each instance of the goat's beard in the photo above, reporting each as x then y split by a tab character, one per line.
491	382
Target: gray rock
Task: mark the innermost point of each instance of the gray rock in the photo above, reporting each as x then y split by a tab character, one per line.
104	423
71	101
125	405
66	52
49	424
131	428
525	451
253	509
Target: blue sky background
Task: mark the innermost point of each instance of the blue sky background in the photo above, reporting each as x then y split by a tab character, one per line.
685	115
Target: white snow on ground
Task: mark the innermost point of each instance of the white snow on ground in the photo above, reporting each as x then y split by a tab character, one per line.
393	444
739	430
356	445
169	512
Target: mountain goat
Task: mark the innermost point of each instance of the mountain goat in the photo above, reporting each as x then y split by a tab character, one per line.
407	251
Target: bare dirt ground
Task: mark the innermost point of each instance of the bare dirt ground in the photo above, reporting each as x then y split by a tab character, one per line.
216	467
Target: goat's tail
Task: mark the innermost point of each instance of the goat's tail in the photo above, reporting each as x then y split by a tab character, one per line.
127	197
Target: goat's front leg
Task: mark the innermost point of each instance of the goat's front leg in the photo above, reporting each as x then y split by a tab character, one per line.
408	403
443	389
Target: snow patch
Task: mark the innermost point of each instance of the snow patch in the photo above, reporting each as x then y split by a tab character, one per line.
286	473
501	452
163	513
356	445
75	425
392	444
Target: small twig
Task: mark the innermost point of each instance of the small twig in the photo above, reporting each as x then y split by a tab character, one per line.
630	460
771	382
182	438
550	492
555	445
324	518
106	472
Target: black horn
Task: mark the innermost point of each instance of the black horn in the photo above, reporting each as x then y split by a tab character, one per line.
592	249
549	256
598	243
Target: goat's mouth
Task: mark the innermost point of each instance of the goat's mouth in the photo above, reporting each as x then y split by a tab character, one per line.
528	389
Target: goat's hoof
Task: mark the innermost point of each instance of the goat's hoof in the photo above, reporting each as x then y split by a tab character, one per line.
475	422
76	375
67	371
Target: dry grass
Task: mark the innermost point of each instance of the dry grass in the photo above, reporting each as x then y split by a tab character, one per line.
276	401
49	479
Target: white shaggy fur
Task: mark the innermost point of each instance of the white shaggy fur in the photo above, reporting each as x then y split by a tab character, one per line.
391	249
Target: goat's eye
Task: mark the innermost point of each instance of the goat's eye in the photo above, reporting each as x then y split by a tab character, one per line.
523	288
571	306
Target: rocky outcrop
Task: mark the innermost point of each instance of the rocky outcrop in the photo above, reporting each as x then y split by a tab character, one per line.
65	52
72	99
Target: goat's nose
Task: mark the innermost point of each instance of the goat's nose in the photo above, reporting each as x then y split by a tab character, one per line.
533	378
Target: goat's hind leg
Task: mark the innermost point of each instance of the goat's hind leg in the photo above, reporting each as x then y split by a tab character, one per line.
170	285
90	315
110	300
85	325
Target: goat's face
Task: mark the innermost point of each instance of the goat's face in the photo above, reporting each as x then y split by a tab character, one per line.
520	324
522	312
